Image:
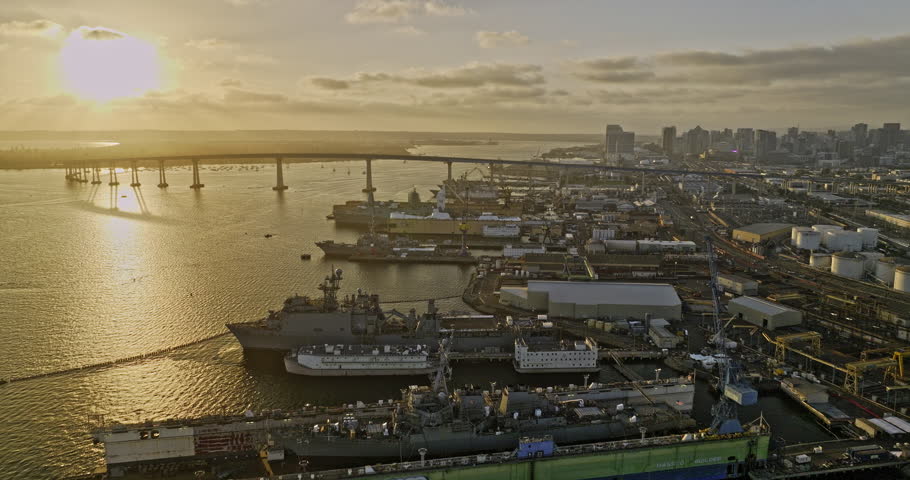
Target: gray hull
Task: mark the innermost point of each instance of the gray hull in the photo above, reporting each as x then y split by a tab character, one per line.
253	336
448	443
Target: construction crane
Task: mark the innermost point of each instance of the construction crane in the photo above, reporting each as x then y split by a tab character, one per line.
724	417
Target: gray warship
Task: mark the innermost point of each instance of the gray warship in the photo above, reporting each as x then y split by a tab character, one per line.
430	421
359	319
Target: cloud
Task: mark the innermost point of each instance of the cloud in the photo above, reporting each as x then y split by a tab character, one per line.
330	83
473	74
409	30
611	70
480	74
394	11
235	95
230	82
99	33
206	43
61	100
255	59
568	43
32	28
488	39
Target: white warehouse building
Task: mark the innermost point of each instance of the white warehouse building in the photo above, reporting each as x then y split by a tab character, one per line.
580	300
764	313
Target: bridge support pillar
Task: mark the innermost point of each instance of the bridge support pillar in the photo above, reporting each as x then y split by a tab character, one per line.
280	186
449	167
134	175
112	172
96	175
196	183
369	188
84	177
162	180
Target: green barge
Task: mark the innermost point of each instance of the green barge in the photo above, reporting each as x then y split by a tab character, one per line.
674	457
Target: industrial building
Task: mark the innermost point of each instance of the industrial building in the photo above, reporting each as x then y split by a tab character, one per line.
764	313
762	232
595	299
642	266
737	284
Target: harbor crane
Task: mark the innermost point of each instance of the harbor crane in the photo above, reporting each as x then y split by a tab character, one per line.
732	391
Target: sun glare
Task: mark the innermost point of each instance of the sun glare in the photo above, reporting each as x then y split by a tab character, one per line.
101	64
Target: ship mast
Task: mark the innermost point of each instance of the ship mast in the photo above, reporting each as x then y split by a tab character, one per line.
370	200
330	287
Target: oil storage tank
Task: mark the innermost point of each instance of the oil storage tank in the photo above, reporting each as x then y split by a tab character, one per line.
884	268
823	229
847	264
794	233
808	240
870	259
821	261
902	278
870	237
843	241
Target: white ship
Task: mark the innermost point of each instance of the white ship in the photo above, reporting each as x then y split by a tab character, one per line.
360	360
563	356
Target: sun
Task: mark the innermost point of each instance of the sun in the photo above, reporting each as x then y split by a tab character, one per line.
101	64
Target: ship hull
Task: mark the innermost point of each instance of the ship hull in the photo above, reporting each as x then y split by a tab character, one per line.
450	443
291	366
253	336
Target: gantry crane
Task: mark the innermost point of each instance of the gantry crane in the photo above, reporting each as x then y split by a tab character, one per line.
856	370
782	343
724	417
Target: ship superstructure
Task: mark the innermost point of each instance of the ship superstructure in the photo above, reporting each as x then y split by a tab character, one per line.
360	360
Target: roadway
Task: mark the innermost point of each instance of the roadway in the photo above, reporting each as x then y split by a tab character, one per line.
337	157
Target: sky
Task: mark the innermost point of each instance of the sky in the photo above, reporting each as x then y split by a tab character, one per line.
448	65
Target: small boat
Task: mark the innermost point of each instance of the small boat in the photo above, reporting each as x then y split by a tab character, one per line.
306	256
268	235
330	216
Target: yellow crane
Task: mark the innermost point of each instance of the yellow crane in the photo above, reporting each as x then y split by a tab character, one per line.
783	342
856	370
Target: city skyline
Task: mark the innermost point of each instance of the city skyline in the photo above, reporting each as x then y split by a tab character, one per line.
451	65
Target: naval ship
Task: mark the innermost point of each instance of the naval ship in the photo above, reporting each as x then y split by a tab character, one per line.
359	319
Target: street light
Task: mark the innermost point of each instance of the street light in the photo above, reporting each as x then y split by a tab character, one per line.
656	374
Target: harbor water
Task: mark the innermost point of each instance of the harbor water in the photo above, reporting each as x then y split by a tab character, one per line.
95	274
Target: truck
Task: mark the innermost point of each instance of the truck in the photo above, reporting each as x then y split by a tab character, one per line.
865	453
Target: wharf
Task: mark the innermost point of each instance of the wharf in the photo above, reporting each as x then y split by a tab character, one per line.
832	460
612	355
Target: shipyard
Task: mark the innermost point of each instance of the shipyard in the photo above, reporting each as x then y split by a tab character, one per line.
452	239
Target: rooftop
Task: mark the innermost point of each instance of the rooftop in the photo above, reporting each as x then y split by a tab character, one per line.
612	293
762	305
649	260
765	228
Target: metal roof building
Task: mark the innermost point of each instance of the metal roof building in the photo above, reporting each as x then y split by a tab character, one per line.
764	313
596	299
760	232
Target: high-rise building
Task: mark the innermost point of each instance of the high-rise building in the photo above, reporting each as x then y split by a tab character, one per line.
765	143
890	136
617	143
744	140
668	136
860	134
697	141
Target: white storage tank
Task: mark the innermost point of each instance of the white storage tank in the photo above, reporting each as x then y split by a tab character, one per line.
794	233
808	240
824	229
902	278
870	259
847	264
821	261
843	241
870	237
884	268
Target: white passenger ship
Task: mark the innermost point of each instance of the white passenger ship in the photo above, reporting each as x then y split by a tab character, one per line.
360	360
553	357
